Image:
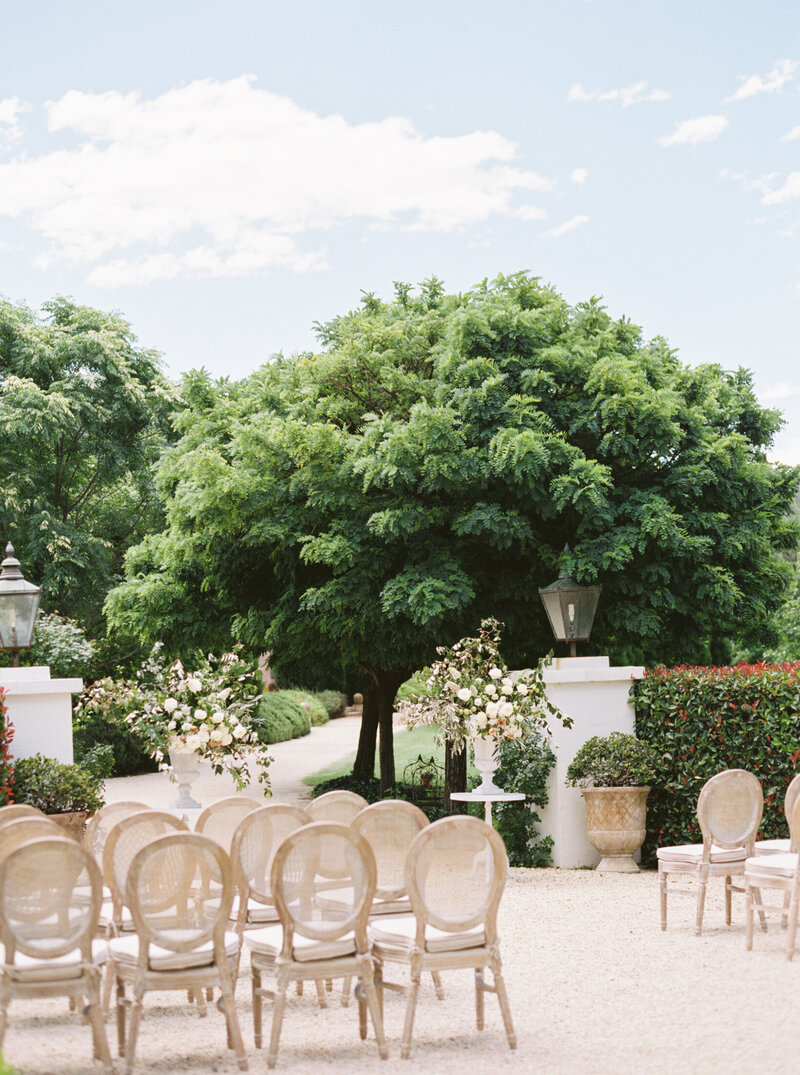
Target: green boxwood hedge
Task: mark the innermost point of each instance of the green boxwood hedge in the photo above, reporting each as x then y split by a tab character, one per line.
279	716
316	710
703	720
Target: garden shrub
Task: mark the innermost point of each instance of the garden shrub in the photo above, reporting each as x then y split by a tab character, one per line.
316	710
278	717
334	701
524	767
99	720
703	720
55	787
58	643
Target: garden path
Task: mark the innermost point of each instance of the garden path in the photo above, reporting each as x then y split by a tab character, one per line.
292	761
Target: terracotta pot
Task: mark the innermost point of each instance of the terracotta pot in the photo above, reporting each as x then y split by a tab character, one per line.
615	819
74	824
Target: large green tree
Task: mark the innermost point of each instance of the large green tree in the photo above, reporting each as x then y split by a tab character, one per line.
83	418
427	469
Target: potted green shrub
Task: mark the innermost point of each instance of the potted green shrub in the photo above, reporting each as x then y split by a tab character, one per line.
615	772
68	793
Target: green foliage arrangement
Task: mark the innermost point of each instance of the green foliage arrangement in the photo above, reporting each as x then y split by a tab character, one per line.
317	712
617	760
55	787
59	643
206	710
469	693
99	719
279	716
701	720
334	701
524	768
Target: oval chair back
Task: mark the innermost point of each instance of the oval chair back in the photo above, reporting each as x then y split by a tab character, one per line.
221	819
729	809
390	827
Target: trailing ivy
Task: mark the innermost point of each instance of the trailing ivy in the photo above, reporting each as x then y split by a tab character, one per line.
702	720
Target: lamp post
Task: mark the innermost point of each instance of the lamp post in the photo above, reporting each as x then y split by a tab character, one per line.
570	608
19	603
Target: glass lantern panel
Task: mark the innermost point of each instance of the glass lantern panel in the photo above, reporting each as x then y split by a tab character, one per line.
17	618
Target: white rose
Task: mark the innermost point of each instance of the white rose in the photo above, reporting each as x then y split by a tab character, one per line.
194	684
478	703
455	673
216	737
506	710
491	690
200	715
480	720
507	686
495	673
173	724
227	739
239	731
218	717
203	734
522	688
186	726
491	710
170	705
464	694
193	742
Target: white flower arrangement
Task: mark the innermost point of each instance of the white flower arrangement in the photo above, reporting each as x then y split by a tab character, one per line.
471	693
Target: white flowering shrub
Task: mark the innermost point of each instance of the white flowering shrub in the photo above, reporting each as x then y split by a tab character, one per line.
59	643
207	710
470	693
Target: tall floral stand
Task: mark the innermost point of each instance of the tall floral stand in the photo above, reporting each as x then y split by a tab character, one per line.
185	769
485	752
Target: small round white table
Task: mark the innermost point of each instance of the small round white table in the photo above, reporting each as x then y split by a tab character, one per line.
487	800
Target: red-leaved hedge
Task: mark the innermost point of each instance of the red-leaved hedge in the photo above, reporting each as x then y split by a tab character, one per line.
702	720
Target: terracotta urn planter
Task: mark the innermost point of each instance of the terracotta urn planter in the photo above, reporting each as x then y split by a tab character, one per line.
74	824
615	819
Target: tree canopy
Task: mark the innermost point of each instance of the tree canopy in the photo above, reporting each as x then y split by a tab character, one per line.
83	417
426	470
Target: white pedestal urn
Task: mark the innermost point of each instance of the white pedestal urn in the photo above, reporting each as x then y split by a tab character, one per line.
486	751
186	769
615	821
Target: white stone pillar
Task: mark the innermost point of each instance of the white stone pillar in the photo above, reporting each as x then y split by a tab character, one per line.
40	708
597	697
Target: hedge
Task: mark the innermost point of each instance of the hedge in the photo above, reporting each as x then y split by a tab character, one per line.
279	716
312	705
703	720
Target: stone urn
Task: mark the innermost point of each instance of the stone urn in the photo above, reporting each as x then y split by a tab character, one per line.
73	824
615	820
185	771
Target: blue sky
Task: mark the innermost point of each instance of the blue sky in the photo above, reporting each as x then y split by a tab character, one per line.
226	174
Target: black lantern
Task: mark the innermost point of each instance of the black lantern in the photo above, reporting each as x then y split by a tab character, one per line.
19	603
570	608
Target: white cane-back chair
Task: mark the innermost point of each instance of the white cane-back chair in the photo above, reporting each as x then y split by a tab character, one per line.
729	812
221	819
28	827
100	824
455	875
179	890
340	806
47	928
15	811
782	845
780	872
318	941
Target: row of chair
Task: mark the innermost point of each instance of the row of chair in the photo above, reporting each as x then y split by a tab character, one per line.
729	811
299	893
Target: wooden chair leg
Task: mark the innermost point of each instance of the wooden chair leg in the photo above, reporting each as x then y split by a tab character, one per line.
662	881
411	1007
437	984
99	1030
748	916
323	1000
505	1008
231	1019
367	983
133	1030
346	986
121	1013
728	894
479	1005
277	1015
257	1007
702	882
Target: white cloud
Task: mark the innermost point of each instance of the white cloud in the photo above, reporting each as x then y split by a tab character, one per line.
568	225
579	175
222	178
530	212
789	190
781	73
694	131
782	390
10	108
792	134
626	95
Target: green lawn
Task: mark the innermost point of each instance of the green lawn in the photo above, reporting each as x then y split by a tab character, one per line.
407	745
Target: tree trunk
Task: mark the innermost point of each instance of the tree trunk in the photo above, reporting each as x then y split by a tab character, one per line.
387	681
364	765
455	775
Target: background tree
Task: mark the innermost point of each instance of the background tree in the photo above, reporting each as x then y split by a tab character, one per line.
84	414
427	469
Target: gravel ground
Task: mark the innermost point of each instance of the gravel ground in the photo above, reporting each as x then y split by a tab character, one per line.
594	986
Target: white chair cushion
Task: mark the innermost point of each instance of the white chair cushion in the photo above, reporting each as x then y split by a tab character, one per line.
62	968
256	912
766	866
773	847
269	942
694	852
106	917
382	907
126	950
400	931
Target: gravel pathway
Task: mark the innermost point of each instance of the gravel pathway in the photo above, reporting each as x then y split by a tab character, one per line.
594	986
